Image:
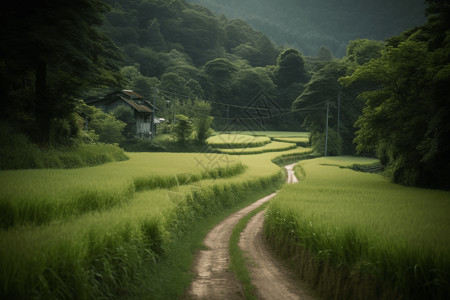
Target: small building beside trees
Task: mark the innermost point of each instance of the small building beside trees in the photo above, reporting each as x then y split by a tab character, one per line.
142	110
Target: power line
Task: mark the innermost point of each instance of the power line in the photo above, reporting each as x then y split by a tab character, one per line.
215	102
309	108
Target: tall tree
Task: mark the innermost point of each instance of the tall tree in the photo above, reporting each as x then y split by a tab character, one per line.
290	69
58	47
406	115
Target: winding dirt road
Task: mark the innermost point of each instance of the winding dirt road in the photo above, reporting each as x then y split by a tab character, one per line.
213	278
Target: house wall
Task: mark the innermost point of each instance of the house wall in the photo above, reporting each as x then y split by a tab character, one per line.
143	125
143	121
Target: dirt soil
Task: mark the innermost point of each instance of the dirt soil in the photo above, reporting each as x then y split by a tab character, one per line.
214	280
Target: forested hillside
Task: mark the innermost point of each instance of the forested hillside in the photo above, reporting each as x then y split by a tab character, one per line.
189	52
309	24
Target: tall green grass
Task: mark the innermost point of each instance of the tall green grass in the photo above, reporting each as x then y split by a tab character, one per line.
300	141
232	141
41	196
98	254
271	134
17	152
354	235
271	147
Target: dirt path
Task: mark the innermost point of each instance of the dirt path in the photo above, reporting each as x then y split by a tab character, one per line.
213	278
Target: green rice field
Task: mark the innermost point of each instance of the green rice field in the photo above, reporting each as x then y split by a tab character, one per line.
237	141
351	233
271	134
244	144
300	141
90	247
271	147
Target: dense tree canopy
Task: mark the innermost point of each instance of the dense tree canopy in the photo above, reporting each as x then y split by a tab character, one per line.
405	119
50	52
309	24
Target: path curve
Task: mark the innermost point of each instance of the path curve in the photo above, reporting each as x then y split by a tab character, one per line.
271	278
214	280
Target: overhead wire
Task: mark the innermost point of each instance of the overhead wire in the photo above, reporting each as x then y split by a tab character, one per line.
309	108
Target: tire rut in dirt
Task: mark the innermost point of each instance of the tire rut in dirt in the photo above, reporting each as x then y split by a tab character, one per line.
213	279
272	280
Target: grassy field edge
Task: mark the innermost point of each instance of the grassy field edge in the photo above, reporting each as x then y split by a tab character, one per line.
171	276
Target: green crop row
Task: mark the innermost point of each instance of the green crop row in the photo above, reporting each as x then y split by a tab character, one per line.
294	156
354	235
232	141
271	134
272	147
97	255
41	196
300	141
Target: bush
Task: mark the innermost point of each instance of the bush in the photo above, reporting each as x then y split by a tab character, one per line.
183	129
142	145
17	152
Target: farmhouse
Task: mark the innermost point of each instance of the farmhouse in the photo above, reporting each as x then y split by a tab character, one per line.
143	110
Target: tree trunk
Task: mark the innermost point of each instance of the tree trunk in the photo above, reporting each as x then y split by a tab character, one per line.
42	104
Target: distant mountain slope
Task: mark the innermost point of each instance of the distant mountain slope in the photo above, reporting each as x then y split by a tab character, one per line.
309	24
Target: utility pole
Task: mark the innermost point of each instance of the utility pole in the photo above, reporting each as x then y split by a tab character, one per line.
339	112
228	116
326	131
152	124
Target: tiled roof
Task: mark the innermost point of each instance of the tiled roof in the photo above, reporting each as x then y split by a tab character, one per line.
132	94
137	107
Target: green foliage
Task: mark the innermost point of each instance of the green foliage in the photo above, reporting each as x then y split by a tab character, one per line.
125	114
404	117
322	88
308	25
106	126
361	51
324	54
203	129
182	129
290	68
17	152
142	145
334	146
60	66
139	83
338	226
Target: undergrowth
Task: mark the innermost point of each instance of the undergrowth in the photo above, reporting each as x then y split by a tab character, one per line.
18	152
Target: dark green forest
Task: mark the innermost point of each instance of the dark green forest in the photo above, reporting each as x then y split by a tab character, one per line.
386	97
308	24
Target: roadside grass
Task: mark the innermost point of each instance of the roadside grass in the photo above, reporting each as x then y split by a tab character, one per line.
41	196
232	141
271	147
354	235
171	276
98	254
